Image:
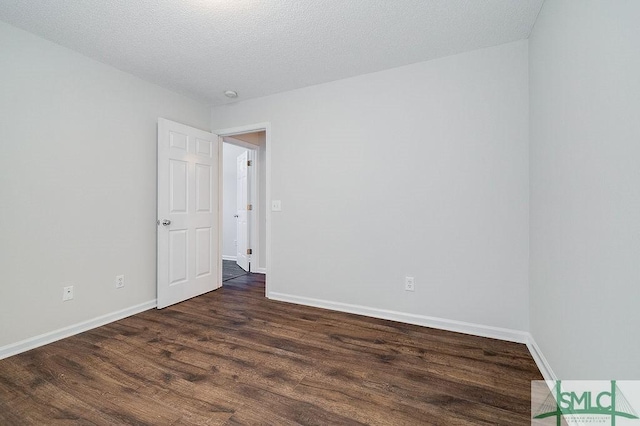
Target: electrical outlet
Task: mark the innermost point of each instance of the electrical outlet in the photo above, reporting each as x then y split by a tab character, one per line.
276	205
119	281
409	284
67	293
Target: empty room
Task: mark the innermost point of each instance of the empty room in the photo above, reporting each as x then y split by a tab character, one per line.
336	212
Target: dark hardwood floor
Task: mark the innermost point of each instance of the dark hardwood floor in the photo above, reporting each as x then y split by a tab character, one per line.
234	357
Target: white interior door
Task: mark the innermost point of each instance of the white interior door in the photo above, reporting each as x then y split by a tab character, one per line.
242	201
187	212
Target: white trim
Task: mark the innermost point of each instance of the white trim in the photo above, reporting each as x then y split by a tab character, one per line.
220	195
266	126
540	360
267	278
225	257
254	234
250	128
254	200
52	336
258	270
425	321
239	142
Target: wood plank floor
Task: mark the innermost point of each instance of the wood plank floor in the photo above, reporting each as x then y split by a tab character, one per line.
233	357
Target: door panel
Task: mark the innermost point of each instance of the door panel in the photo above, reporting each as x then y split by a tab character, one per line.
203	188
203	251
178	256
187	205
203	147
178	186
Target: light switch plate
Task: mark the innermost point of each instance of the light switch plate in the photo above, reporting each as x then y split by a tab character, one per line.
67	293
276	206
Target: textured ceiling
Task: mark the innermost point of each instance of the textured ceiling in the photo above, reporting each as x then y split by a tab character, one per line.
258	47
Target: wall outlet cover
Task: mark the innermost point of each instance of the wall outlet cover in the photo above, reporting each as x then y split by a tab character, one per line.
409	284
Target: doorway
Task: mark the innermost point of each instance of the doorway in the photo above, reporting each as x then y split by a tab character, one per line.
243	199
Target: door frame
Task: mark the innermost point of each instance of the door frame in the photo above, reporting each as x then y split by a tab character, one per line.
231	132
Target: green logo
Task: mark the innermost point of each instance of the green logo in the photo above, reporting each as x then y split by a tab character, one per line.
610	402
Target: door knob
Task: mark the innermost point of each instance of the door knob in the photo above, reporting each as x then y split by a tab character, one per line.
166	222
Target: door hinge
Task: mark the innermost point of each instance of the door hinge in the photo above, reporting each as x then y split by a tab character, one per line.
249	207
248	162
249	251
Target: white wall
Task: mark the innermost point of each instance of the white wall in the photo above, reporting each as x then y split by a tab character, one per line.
230	155
77	184
585	188
420	170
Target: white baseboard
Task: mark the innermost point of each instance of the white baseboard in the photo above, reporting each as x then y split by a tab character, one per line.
52	336
259	270
540	360
225	257
425	321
